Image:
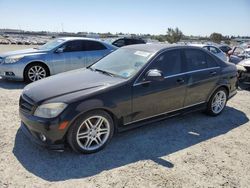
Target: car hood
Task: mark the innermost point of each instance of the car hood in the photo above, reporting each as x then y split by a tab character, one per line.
22	52
84	81
245	63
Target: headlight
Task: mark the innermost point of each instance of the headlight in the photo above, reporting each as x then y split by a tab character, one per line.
13	59
50	110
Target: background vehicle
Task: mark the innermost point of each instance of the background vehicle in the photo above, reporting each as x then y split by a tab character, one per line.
214	50
225	48
128	41
243	68
237	54
132	86
56	56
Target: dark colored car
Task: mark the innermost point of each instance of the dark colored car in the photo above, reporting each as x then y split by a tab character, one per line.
130	87
128	41
225	48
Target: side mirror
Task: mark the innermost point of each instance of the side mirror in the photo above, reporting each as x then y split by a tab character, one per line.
154	75
59	50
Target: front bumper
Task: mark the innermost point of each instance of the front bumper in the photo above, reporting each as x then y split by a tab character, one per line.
16	69
33	127
36	140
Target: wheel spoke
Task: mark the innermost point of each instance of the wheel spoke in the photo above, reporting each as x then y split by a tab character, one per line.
98	140
88	124
83	135
88	142
99	123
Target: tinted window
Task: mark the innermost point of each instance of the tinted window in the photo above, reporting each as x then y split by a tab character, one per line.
169	63
211	61
119	43
214	50
196	59
73	46
93	45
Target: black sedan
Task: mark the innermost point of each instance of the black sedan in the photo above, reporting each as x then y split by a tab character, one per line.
130	87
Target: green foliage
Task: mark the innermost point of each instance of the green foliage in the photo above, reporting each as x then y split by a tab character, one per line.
174	35
216	37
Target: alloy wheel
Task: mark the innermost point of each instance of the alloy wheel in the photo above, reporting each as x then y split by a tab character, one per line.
93	133
219	101
36	73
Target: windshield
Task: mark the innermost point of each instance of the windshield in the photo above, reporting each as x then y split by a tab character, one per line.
52	44
123	62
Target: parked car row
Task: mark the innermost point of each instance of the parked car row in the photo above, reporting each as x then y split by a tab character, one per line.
113	89
127	88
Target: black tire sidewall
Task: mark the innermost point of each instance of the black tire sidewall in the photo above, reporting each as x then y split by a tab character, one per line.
72	133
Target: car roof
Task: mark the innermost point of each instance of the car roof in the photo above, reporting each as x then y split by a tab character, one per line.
154	48
78	38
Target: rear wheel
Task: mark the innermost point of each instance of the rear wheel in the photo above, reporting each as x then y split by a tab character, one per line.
35	72
91	132
217	102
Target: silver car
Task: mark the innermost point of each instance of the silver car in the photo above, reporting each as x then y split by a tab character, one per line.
59	55
214	50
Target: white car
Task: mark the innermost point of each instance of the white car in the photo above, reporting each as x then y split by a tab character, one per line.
214	50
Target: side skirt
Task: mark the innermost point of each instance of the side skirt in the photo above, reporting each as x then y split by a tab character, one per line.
132	125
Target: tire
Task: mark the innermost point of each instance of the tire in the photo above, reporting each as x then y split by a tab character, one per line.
85	133
218	103
34	72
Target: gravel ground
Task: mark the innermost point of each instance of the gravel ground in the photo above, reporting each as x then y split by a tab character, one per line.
187	151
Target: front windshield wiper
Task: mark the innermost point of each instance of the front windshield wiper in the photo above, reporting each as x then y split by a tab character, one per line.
104	72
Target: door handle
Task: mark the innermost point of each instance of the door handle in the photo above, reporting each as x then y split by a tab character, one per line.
180	80
213	73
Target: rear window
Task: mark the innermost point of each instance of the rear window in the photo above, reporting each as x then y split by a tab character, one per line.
197	59
93	46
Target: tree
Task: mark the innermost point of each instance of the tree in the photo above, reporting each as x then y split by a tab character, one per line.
216	37
173	35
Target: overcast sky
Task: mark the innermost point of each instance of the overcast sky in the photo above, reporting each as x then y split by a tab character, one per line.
193	17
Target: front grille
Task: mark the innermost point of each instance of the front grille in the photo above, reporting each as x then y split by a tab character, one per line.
26	104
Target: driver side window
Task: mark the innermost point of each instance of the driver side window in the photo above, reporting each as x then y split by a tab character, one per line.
169	63
73	46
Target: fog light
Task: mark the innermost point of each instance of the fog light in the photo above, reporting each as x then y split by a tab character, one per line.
9	74
43	137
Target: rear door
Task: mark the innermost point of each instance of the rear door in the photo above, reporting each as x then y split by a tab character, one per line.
93	50
157	97
202	76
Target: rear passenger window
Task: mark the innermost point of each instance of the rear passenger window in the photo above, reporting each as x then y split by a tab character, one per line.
214	50
169	63
211	61
195	59
93	46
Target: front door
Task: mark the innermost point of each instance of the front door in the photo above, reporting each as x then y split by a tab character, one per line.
156	97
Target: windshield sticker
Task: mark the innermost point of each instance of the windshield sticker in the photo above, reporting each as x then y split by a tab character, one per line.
141	53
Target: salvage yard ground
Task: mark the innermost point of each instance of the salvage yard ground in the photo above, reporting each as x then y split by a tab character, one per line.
194	150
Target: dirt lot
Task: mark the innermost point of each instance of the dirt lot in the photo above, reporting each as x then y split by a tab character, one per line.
188	151
6	48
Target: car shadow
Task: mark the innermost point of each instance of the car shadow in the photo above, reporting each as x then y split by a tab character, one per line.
7	84
150	142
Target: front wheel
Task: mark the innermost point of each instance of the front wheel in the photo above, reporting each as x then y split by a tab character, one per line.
91	132
217	102
35	72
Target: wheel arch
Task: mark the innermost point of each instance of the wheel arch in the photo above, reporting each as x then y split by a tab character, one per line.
225	86
36	62
112	115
